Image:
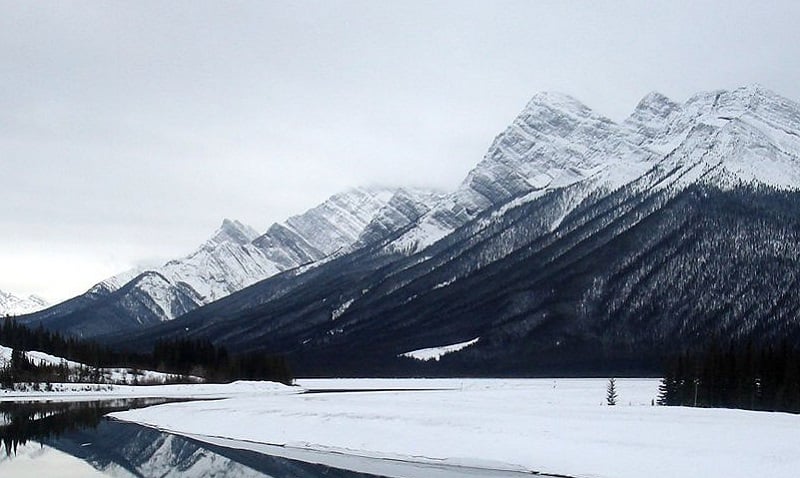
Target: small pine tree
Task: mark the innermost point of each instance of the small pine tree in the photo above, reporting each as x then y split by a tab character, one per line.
611	392
665	391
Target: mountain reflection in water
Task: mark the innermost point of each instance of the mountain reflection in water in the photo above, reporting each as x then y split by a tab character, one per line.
120	449
38	421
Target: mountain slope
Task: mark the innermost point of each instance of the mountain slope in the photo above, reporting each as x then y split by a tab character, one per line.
554	142
676	226
233	258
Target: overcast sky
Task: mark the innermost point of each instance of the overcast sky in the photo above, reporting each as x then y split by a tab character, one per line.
129	130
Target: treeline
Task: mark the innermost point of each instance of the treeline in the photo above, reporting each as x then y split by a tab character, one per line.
21	369
765	378
180	358
201	358
18	336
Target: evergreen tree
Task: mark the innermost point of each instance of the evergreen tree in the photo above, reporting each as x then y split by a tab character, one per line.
666	390
611	392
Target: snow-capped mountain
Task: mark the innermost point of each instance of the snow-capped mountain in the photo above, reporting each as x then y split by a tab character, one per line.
352	218
554	142
576	241
748	135
557	141
11	305
225	263
234	258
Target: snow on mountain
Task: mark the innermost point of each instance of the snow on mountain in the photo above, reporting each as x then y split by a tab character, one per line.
152	294
335	224
225	263
11	305
233	232
405	207
741	136
747	135
554	142
625	254
236	257
113	283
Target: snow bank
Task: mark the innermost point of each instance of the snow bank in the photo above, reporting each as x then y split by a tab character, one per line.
556	426
83	391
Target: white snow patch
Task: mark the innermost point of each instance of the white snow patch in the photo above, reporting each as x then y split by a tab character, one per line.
420	237
341	309
444	284
435	353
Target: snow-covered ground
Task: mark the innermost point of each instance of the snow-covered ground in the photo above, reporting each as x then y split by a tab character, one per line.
85	391
553	426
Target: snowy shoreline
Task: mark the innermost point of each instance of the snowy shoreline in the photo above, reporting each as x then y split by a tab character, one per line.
550	426
84	391
499	427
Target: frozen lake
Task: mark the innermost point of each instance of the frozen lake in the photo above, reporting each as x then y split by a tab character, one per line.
427	429
76	439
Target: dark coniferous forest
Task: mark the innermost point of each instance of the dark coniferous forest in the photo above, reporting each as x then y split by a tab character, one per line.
735	377
181	358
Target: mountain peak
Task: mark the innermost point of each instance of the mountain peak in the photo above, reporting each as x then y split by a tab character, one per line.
756	95
756	89
733	101
339	221
652	114
657	101
553	100
234	232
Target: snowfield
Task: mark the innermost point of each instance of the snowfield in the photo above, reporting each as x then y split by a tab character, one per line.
550	426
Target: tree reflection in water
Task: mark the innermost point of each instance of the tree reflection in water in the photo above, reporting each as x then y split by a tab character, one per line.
115	448
39	421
